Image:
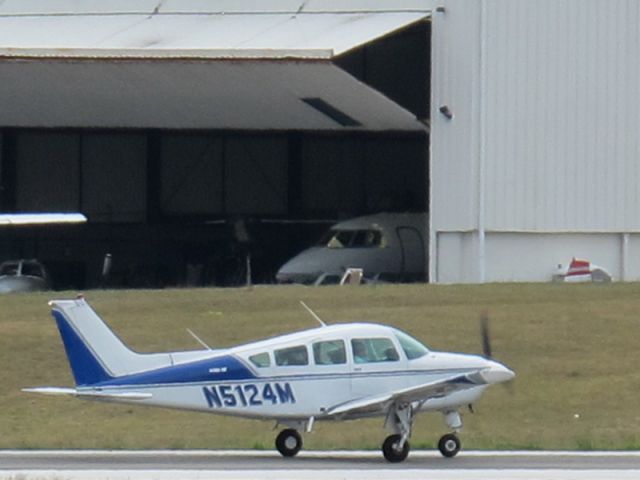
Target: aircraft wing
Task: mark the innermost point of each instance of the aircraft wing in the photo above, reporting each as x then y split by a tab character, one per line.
425	391
93	394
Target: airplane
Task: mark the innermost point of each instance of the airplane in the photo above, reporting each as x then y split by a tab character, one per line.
330	372
23	275
386	246
581	271
30	275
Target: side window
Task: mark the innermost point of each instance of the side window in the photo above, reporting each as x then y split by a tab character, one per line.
369	350
341	239
353	239
367	238
260	360
292	356
331	352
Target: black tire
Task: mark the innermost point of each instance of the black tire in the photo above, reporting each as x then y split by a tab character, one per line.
449	445
289	442
390	449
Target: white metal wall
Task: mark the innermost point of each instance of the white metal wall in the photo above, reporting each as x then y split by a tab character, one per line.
562	119
544	137
453	150
534	257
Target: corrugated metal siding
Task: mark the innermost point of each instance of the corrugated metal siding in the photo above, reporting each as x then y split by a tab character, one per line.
454	141
555	96
532	257
562	117
546	99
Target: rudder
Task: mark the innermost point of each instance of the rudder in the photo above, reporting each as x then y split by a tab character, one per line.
85	366
94	352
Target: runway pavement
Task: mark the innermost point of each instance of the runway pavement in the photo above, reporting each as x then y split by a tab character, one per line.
238	465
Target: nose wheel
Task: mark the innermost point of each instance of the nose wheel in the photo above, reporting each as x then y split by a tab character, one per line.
449	445
288	442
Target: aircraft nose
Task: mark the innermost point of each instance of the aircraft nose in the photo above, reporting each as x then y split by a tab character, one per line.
497	373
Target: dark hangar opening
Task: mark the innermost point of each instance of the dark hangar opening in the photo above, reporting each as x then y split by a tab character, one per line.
183	206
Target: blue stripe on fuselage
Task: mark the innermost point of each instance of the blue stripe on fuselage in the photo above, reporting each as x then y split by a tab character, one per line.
225	368
145	380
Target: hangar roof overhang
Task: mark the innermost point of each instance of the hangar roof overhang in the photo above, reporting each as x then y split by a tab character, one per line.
200	28
187	94
196	64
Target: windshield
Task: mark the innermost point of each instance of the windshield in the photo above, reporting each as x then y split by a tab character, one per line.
368	238
412	348
32	269
9	268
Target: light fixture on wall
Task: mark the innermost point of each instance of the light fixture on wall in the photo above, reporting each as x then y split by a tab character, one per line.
441	9
446	111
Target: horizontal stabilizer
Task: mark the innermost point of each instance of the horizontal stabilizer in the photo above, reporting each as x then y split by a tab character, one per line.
89	393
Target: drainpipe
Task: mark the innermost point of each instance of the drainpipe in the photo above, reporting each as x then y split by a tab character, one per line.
624	257
482	72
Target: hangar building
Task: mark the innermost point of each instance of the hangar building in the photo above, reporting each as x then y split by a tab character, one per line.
189	131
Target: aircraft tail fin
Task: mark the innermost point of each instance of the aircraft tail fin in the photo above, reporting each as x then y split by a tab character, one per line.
94	352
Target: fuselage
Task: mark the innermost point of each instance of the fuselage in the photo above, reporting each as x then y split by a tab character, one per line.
386	246
302	375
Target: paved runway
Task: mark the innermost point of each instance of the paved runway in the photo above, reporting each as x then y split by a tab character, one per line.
238	465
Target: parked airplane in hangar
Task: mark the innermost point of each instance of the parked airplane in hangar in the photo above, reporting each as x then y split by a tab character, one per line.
385	246
30	275
336	372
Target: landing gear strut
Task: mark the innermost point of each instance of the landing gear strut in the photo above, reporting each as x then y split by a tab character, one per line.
449	444
288	442
396	447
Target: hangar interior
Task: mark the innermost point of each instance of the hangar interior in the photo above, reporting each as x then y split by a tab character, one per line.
183	166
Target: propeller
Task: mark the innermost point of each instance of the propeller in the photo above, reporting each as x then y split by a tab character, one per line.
485	335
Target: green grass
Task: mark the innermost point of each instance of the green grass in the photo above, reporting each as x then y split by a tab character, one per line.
575	349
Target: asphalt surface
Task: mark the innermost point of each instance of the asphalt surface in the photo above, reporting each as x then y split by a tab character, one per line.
321	461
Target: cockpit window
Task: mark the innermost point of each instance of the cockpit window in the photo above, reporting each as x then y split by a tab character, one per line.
331	352
368	238
260	360
9	269
32	269
412	348
369	350
292	356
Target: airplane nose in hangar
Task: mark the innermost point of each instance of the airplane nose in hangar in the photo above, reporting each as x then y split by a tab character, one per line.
497	373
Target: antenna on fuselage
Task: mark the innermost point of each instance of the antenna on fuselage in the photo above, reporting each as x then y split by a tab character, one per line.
198	339
313	313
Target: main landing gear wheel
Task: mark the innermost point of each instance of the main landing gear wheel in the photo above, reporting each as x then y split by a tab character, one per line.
449	445
391	450
288	442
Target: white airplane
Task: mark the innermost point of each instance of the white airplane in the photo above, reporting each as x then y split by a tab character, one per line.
336	372
385	246
29	275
